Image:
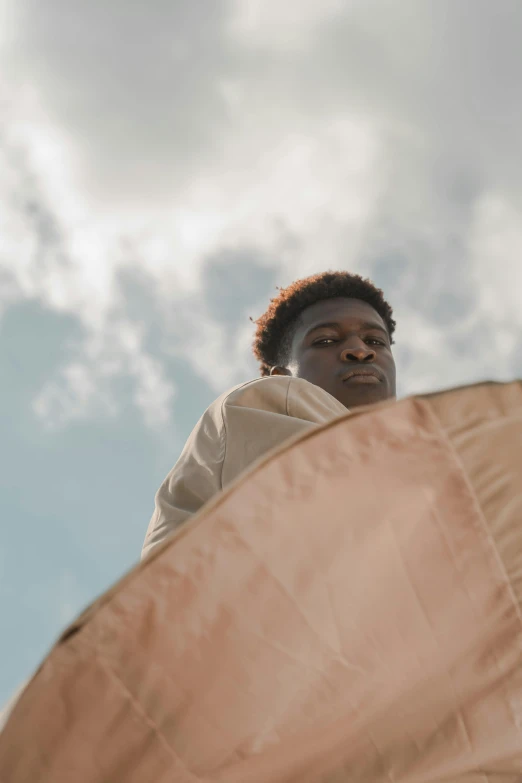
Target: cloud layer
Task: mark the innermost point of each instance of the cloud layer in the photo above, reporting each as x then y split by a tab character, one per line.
368	136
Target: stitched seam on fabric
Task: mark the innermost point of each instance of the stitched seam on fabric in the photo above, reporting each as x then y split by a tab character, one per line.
492	543
223	420
138	646
481	517
140	711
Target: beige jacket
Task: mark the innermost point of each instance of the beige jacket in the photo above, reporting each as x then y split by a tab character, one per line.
241	426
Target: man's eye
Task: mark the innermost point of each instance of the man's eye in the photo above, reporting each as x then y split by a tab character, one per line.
375	340
324	340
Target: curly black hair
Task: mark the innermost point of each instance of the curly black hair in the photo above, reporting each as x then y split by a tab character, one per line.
276	328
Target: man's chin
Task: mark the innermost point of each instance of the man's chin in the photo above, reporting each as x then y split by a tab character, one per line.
353	398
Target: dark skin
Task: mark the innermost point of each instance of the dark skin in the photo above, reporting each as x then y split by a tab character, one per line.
355	344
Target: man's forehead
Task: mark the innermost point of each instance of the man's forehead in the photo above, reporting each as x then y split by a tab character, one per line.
339	309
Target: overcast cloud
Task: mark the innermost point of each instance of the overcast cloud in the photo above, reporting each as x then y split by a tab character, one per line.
166	165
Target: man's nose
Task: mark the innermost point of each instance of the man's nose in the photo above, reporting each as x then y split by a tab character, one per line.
360	353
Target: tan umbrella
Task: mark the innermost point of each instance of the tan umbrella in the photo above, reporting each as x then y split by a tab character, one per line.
349	610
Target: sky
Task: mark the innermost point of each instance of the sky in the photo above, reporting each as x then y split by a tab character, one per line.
165	166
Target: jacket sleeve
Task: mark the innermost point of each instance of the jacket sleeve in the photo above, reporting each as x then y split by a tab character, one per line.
237	429
193	480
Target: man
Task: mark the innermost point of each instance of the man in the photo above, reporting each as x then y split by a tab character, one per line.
324	347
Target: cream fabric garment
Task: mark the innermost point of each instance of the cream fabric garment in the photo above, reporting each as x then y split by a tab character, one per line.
241	426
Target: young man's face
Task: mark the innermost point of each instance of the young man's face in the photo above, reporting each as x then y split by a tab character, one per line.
343	346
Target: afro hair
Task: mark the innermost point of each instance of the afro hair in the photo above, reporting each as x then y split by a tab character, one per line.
276	328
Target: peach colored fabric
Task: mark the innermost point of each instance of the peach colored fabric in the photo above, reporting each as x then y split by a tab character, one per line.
348	610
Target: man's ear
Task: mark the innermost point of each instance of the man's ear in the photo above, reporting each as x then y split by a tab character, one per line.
278	370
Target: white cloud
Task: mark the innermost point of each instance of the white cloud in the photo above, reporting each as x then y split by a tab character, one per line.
372	136
495	242
271	24
67	398
154	394
84	388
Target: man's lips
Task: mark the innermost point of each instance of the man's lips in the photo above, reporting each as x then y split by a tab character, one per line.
362	375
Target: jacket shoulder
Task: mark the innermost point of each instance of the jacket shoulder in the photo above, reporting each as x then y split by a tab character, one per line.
283	394
267	393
